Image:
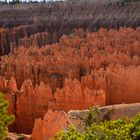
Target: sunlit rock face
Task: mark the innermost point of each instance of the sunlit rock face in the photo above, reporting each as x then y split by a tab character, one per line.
71	96
31	103
48	126
82	70
124	86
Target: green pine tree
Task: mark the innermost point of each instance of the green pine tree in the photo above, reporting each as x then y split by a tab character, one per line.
5	119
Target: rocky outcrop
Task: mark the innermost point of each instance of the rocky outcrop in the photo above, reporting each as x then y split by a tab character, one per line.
31	103
14	136
59	120
47	127
71	96
123	86
9	88
78	118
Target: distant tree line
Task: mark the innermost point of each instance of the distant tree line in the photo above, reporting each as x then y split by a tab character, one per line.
44	1
30	1
131	0
123	2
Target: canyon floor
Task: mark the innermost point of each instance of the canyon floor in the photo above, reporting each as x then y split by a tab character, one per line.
67	55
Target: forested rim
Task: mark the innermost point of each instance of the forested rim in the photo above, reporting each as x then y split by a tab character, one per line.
67	15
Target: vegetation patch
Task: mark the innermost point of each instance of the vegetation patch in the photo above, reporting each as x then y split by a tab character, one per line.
5	119
96	129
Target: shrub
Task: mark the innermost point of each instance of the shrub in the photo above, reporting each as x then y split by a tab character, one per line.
5	119
93	116
121	129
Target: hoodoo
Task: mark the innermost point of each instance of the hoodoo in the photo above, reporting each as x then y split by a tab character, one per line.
67	55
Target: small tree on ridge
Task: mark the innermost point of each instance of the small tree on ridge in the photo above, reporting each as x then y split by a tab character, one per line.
5	119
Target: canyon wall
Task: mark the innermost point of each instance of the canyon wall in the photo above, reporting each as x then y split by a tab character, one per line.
25	36
30	103
82	70
63	16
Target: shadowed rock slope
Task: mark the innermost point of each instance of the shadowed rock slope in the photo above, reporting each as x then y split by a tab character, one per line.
72	13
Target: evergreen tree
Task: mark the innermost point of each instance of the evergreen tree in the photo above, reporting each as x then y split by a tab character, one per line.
5	119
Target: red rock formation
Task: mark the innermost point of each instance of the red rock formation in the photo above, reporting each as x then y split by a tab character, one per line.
47	128
8	87
15	35
123	86
82	70
38	40
31	103
71	96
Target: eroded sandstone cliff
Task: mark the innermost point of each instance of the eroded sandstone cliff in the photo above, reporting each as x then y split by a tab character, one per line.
82	70
47	127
